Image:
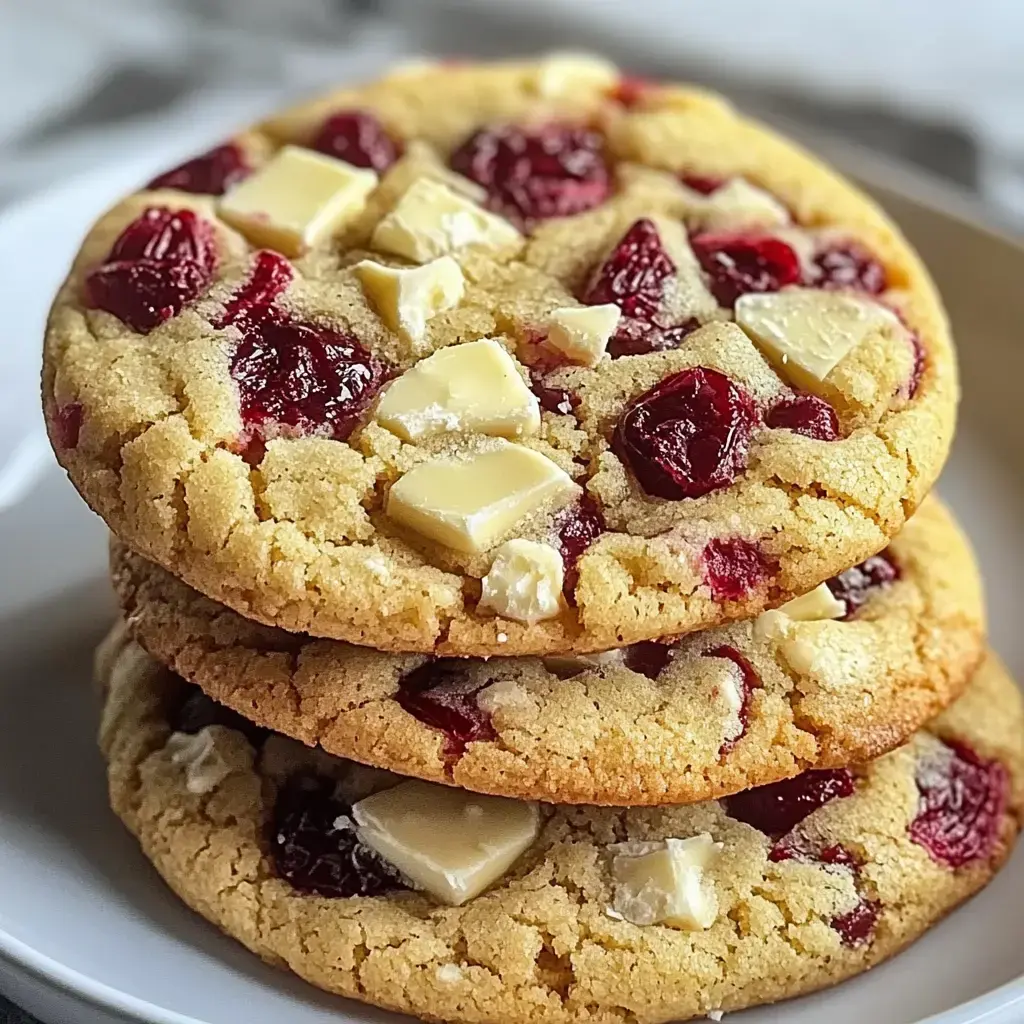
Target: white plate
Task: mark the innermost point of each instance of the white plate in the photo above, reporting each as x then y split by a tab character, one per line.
87	931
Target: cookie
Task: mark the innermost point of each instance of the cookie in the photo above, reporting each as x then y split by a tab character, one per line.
560	914
719	711
540	362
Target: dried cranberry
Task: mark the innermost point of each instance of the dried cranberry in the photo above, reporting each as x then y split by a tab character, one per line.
780	807
358	138
751	682
962	800
197	711
67	423
577	527
734	567
648	657
856	926
631	91
638	337
855	586
161	261
304	378
920	361
702	183
211	173
145	293
688	435
739	264
316	848
253	302
553	398
532	174
635	274
164	235
849	266
804	414
441	695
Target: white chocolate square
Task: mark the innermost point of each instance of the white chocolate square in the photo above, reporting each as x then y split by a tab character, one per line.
431	220
737	204
471	502
297	199
407	298
524	582
581	333
473	387
448	842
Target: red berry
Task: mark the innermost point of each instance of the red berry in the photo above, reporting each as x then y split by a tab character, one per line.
855	586
849	266
751	682
739	264
804	414
688	435
211	173
962	800
648	657
631	91
316	848
734	567
166	236
531	174
780	807
577	527
856	926
551	397
440	694
271	274
702	183
635	274
638	337
67	424
358	138
145	293
300	378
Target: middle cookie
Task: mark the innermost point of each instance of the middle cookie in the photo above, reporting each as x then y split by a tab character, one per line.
837	677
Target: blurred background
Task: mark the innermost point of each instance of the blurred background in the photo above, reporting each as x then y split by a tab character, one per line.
934	83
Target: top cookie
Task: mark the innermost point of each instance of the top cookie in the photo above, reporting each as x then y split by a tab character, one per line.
519	358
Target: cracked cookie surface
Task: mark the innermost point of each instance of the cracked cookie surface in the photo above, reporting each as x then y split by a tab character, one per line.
868	861
719	711
768	392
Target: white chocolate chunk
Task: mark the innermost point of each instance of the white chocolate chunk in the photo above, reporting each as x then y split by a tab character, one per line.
562	73
431	220
473	387
451	843
819	603
581	333
566	665
208	757
664	882
407	299
524	582
807	331
738	204
298	198
469	503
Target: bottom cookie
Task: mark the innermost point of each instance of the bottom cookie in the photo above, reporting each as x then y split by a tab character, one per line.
526	912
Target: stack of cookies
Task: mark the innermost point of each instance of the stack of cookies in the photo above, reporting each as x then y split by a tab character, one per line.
533	608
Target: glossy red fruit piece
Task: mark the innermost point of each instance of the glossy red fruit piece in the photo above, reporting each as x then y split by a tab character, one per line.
552	397
702	183
962	802
854	587
648	657
211	173
164	235
750	681
358	138
145	293
296	378
738	264
67	424
440	695
634	275
849	266
315	847
734	568
638	337
688	435
780	807
270	276
804	414
532	174
856	926
577	527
